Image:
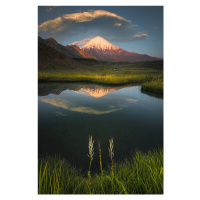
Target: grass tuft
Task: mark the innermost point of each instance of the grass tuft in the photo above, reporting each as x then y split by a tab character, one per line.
155	86
141	174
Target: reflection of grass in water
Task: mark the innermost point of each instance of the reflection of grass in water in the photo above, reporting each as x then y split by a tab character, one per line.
141	174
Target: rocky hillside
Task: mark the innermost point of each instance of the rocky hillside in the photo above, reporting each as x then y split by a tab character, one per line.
51	59
72	51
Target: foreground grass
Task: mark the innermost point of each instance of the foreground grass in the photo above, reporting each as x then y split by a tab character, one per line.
155	86
141	174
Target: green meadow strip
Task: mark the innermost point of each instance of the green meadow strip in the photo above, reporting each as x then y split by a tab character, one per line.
96	78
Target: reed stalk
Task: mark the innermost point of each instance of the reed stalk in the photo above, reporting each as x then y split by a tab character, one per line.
111	154
99	147
91	154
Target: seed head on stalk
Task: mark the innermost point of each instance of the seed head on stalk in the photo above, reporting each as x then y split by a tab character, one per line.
111	154
91	153
91	148
111	151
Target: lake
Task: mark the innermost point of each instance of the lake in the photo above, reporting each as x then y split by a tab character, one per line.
69	112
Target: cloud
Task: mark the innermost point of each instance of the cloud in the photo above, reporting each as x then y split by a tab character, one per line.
109	25
59	23
140	36
117	24
85	41
49	9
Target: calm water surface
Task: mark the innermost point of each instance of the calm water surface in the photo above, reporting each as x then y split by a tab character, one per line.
69	112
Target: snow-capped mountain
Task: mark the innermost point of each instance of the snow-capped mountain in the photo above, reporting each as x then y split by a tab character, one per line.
99	43
104	50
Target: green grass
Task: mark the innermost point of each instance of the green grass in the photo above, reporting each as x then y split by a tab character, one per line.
155	86
104	78
150	74
141	174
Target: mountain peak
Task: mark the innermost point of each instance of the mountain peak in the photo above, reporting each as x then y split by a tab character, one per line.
98	37
52	40
99	43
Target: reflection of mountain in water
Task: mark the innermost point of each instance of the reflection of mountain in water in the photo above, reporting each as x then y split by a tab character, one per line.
95	91
98	91
45	89
73	100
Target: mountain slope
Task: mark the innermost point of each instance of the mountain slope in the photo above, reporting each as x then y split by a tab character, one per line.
104	50
51	59
72	51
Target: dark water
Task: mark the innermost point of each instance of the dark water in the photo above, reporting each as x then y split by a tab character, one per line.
69	113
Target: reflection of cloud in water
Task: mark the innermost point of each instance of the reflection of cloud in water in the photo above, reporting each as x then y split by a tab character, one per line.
131	100
61	114
82	92
66	105
110	103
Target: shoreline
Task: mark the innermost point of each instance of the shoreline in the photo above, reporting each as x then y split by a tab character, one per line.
145	86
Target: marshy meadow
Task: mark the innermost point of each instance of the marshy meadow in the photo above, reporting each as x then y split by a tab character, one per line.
100	100
124	152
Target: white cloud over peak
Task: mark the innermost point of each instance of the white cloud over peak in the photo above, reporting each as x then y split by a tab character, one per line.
85	41
59	23
94	22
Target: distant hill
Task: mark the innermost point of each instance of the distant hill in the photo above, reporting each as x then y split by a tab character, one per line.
104	50
72	51
52	59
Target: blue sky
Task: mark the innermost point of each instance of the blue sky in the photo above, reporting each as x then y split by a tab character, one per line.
134	28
